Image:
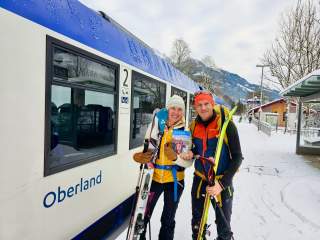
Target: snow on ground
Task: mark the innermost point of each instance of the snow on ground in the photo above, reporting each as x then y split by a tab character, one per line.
277	193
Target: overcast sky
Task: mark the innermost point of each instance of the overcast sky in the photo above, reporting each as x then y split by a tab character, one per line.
235	33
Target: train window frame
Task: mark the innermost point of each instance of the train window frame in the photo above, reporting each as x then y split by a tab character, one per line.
185	100
51	44
180	90
133	145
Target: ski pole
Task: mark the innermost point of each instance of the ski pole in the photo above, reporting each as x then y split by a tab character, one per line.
149	230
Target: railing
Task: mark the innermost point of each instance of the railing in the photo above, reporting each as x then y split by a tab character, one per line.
310	132
305	132
266	128
263	126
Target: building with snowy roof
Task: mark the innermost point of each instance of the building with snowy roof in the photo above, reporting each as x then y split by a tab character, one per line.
274	112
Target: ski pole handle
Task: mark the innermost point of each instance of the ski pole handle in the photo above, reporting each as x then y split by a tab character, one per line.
211	197
211	160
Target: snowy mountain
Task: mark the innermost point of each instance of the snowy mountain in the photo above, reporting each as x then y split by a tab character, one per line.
229	84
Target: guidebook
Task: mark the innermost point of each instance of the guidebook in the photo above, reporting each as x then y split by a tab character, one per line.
181	141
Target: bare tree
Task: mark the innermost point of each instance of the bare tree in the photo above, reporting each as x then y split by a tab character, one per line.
180	56
296	50
205	80
208	61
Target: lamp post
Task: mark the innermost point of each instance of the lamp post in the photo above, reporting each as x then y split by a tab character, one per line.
260	109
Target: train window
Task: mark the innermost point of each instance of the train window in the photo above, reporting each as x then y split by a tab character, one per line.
82	116
192	112
148	94
183	94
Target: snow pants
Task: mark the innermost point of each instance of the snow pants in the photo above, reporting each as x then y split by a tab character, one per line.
197	192
169	208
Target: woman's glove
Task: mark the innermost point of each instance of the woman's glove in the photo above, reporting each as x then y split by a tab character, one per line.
143	157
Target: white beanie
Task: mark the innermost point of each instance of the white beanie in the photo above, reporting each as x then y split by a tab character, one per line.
176	101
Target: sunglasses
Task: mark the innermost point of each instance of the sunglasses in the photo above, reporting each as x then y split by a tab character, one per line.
206	92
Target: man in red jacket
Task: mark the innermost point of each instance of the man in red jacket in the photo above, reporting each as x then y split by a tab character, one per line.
206	131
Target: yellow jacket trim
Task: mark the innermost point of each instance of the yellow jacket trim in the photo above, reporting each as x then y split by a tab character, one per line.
165	176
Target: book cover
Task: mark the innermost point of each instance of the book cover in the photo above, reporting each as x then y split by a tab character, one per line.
181	141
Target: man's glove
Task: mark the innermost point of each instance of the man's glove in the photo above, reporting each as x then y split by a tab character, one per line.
169	152
143	157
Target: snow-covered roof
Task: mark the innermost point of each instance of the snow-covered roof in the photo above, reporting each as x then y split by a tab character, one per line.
267	104
306	86
253	100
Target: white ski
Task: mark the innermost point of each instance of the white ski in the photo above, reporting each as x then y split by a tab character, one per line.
136	225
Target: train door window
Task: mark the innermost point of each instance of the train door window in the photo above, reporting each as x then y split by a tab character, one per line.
183	94
192	112
148	94
82	113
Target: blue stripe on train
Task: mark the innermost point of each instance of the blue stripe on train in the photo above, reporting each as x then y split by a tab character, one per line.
73	19
109	223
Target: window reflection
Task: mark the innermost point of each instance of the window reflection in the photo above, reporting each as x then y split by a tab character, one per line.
82	122
310	124
78	70
148	95
192	112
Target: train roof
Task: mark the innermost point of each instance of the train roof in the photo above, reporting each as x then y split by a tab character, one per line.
76	21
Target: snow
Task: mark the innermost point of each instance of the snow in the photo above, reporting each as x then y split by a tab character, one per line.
277	194
245	88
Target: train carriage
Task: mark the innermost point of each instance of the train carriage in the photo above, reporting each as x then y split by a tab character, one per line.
77	92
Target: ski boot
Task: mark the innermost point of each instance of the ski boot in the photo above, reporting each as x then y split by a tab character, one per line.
206	232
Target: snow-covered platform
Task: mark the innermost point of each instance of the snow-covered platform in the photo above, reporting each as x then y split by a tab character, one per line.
277	193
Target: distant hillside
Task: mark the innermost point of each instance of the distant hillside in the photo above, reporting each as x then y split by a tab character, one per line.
229	85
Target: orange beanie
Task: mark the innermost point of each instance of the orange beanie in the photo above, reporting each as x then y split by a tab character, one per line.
203	96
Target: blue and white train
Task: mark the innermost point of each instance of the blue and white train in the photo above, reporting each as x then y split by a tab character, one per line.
77	92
